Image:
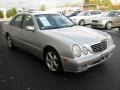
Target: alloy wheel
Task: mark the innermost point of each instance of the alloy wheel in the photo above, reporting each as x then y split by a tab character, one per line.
51	61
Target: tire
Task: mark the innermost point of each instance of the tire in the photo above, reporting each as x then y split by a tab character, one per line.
52	60
82	23
108	25
119	30
10	42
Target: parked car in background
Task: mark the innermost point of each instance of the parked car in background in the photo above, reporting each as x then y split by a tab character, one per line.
73	13
108	20
55	39
85	17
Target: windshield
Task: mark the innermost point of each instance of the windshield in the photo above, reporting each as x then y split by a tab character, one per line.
52	21
110	14
84	13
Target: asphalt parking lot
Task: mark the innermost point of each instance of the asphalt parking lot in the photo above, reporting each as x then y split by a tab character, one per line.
20	70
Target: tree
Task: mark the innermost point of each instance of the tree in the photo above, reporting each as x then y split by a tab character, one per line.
42	7
13	12
8	13
106	4
96	2
86	1
1	14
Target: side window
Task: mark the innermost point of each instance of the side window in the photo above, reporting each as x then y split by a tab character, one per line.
27	21
97	12
118	14
17	21
92	13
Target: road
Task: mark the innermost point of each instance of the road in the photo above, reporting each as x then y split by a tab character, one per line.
20	70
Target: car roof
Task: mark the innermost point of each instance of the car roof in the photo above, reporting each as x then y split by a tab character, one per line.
38	12
115	10
92	10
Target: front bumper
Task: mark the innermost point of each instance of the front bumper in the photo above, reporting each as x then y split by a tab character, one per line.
98	25
83	64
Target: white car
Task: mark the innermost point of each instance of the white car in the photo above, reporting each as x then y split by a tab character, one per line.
85	17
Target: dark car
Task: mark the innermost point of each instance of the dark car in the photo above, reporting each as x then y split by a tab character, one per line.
73	13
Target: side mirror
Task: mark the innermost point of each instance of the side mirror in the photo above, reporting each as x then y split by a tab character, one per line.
118	15
29	28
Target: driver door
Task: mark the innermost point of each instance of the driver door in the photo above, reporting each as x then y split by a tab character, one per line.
30	39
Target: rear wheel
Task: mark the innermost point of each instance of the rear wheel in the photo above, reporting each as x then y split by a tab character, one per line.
119	29
81	22
9	42
108	25
52	60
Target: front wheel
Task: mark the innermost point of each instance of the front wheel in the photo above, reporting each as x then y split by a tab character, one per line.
108	25
53	61
81	22
9	42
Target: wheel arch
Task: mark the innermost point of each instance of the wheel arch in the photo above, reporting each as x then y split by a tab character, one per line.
81	20
109	22
49	47
6	34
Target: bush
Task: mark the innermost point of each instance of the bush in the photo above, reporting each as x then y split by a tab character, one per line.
8	13
1	14
11	12
42	7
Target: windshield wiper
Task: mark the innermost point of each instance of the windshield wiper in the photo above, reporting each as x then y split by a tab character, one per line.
50	28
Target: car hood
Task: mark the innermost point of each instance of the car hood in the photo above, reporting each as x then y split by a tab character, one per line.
103	18
79	34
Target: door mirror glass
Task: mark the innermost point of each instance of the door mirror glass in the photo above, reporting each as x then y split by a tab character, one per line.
29	28
118	15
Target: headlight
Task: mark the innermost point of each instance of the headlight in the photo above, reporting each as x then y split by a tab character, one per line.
110	41
85	50
76	50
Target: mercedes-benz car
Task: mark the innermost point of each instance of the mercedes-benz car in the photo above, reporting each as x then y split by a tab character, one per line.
57	41
108	20
85	17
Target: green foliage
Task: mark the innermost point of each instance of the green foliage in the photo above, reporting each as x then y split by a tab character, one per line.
11	12
8	13
106	4
1	14
42	7
86	1
116	7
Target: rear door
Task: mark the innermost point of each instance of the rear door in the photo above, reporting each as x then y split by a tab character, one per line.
15	28
118	19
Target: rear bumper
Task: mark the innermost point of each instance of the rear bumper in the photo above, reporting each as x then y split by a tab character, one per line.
83	64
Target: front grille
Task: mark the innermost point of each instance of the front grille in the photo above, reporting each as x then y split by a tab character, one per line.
99	47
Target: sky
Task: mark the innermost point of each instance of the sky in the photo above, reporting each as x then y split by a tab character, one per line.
33	3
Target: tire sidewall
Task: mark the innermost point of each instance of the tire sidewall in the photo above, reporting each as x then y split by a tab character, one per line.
83	23
108	28
60	68
12	45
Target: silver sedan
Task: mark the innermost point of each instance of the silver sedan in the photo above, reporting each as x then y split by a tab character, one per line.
55	39
108	20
